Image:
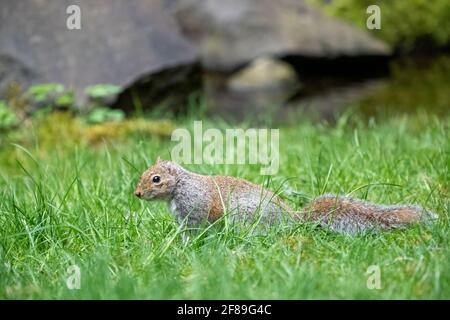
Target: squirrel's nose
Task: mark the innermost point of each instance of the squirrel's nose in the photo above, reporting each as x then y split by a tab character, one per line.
138	193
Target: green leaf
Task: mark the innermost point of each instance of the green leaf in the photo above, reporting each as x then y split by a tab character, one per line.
8	118
102	90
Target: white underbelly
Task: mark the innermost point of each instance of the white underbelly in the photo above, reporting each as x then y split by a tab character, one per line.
173	208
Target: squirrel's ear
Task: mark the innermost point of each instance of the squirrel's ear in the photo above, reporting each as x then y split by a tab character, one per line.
158	160
172	168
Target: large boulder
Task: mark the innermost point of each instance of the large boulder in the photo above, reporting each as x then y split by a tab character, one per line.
120	42
244	46
264	84
231	33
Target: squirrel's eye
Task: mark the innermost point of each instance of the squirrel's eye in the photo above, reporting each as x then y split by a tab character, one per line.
156	179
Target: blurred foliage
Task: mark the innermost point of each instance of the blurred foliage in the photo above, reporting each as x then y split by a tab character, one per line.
62	129
99	97
66	100
16	99
102	90
8	118
413	85
402	22
50	95
40	92
103	114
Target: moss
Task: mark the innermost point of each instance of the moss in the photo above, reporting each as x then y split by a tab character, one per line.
57	130
120	130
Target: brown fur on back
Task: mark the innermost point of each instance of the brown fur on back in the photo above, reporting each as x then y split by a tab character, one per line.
224	189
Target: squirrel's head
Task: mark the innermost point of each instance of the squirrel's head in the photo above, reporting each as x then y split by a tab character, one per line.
158	181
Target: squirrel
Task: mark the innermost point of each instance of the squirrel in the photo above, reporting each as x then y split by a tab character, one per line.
195	199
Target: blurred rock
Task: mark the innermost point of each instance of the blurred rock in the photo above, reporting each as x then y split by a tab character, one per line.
257	90
231	33
263	74
119	43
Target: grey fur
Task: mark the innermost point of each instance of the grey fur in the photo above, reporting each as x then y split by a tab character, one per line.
193	197
372	217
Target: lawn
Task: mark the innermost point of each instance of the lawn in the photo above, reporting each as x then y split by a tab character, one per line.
66	198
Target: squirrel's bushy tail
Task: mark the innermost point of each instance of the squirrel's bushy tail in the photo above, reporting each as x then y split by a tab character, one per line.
349	215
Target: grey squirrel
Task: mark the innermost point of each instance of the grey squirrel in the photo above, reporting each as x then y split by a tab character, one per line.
196	198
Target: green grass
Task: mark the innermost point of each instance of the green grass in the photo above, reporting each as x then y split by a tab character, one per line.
64	202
